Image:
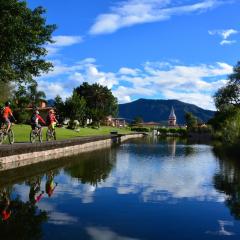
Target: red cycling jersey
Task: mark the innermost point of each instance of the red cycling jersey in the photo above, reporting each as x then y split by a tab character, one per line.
52	118
6	112
39	118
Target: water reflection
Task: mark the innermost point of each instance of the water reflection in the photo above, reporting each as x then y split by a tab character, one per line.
227	180
20	220
93	169
97	233
144	189
35	192
50	184
222	229
170	172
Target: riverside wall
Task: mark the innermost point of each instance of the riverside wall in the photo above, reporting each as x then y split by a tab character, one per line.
23	154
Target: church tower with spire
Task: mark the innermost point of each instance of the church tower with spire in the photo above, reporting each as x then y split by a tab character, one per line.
172	120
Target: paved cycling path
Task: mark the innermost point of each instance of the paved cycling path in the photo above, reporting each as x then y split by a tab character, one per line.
21	148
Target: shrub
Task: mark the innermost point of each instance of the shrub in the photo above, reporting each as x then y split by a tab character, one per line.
22	117
74	124
140	129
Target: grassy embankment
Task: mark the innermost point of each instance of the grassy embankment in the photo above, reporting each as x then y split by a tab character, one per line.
22	132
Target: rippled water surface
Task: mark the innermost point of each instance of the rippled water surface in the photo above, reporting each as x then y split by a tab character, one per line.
143	189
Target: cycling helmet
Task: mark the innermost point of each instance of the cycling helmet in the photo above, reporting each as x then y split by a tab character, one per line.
37	112
7	103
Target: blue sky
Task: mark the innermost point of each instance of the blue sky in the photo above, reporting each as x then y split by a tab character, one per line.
168	49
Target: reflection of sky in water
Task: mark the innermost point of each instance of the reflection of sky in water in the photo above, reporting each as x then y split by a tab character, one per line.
150	188
157	179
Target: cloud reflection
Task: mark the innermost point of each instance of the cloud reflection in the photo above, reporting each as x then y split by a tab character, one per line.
222	231
165	178
97	233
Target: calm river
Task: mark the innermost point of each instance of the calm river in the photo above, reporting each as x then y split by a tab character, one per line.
143	189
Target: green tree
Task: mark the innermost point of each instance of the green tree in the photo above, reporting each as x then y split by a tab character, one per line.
229	95
6	91
21	102
60	108
24	35
100	101
137	120
226	122
34	95
191	121
76	108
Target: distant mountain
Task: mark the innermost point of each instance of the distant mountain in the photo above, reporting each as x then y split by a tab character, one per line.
50	102
159	110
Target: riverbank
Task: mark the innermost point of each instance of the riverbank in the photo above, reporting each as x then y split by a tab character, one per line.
22	154
22	132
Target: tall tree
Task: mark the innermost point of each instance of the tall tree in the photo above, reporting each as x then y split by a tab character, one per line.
75	108
191	121
229	95
226	122
24	35
34	95
100	101
5	91
60	108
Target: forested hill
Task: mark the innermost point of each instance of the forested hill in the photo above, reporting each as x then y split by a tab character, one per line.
159	110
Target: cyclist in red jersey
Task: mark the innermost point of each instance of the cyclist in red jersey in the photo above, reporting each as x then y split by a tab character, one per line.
7	112
35	120
51	119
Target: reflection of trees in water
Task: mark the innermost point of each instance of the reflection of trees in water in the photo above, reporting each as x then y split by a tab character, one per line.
24	221
93	168
161	146
228	181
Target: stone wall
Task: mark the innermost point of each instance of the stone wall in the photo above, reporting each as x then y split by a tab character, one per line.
20	155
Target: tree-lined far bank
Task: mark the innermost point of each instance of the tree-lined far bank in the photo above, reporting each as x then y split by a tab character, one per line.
88	101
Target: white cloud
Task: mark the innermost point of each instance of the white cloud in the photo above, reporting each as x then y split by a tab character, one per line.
199	99
225	34
124	93
62	41
188	83
227	42
132	12
128	71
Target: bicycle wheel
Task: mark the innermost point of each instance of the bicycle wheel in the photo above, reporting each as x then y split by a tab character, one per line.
54	134
11	136
49	135
32	136
40	136
1	137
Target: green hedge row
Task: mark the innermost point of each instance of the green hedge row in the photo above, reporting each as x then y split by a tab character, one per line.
140	129
182	131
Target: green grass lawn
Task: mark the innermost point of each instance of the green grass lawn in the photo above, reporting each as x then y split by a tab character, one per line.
22	132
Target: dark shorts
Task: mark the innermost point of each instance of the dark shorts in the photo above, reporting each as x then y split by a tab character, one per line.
38	126
6	121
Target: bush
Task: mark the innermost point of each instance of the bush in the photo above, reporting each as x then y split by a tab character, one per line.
74	124
140	129
178	131
22	117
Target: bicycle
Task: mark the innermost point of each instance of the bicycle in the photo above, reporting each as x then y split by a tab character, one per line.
51	134
36	133
4	134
